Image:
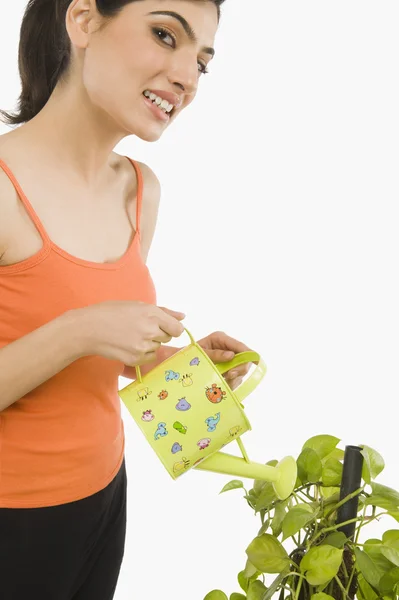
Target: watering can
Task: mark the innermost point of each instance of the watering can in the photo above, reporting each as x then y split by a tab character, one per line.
188	413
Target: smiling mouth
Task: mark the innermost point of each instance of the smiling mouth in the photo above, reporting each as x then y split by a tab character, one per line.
162	104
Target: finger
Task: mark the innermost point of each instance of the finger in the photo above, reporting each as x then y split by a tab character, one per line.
219	356
149	357
173	313
162	337
225	342
235	383
169	324
240	371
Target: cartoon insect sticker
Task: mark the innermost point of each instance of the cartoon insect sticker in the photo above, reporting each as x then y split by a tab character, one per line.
178	467
163	395
176	448
171	376
215	394
179	427
234	431
183	405
143	394
186	380
148	416
195	362
212	422
161	431
204	443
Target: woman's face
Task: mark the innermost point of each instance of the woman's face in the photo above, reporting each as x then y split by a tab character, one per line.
149	57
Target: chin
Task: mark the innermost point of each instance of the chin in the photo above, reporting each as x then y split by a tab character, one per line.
147	134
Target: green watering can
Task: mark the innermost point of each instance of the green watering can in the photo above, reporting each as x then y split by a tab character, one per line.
188	413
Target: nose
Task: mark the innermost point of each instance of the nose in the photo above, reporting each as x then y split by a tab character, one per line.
183	73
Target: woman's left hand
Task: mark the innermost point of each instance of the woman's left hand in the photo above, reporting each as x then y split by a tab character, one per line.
222	348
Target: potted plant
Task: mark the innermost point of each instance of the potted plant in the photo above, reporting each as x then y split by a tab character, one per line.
304	550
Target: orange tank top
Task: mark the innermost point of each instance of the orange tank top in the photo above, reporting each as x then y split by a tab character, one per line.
64	440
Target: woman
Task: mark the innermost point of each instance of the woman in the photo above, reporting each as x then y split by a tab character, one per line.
78	307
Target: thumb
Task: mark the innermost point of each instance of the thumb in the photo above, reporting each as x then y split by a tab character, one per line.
219	356
173	313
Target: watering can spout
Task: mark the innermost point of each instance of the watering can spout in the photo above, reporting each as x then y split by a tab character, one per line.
283	476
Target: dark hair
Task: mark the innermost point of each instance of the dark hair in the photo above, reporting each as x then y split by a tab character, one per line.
45	52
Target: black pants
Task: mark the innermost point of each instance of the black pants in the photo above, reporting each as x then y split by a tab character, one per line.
68	552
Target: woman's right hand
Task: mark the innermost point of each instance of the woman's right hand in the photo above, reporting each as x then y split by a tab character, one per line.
127	331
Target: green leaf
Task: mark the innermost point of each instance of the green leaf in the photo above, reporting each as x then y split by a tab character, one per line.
236	596
216	595
267	554
330	492
274	587
250	573
383	496
337	453
336	539
391	554
299	516
332	473
388	582
256	591
368	568
321	596
365	591
278	518
321	564
391	538
322	444
250	570
309	466
232	485
373	464
242	581
266	497
372	548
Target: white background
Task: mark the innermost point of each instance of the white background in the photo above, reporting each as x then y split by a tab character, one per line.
278	224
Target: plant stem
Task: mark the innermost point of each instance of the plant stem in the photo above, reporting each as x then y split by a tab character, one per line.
298	589
348	587
344	594
334	527
341	502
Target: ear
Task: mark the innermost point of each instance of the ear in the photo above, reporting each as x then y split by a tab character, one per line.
81	21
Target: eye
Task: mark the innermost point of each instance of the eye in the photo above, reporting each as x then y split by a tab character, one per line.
163	35
202	68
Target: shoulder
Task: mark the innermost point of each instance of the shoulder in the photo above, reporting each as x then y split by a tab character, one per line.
150	206
8	200
151	183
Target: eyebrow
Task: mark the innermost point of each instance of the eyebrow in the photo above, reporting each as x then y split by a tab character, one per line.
186	26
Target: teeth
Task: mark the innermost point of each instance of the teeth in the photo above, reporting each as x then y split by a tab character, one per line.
160	102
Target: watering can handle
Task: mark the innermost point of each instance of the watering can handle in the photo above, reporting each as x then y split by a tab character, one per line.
248	386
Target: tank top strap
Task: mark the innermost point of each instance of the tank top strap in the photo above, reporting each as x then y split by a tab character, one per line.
29	208
140	185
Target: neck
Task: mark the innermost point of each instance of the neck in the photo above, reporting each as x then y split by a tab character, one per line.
71	132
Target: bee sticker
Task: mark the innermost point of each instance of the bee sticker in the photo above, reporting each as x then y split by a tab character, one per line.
143	394
186	380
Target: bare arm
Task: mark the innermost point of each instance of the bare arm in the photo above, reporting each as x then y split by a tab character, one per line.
36	357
